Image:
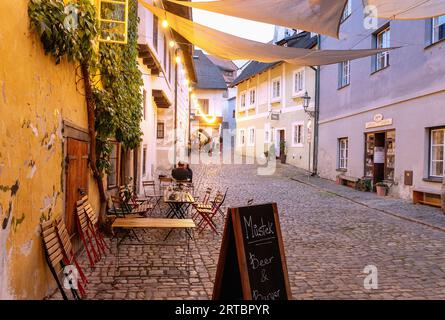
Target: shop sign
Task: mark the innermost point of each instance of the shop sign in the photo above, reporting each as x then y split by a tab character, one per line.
379	121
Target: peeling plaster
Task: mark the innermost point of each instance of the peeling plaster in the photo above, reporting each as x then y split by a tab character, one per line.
28	124
25	249
32	169
16	222
49	203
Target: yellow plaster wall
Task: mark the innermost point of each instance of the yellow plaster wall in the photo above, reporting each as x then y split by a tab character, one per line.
35	97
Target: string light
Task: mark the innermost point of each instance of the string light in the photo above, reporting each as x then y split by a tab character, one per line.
165	23
178	59
172	43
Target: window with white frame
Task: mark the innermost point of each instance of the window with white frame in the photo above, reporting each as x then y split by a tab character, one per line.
252	97
251	140
438	29
382	41
276	89
241	137
437	166
348	11
344	74
343	153
298	83
243	100
298	134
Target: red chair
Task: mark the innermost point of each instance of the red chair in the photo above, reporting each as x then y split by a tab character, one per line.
208	215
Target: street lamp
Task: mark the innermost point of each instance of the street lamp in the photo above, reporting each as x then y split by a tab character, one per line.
306	102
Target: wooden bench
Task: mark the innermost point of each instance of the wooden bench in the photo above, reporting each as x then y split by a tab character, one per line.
147	223
427	196
348	181
152	223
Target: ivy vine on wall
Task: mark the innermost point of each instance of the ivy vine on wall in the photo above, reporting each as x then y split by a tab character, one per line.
69	31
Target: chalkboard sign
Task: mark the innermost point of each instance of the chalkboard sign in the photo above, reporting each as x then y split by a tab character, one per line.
252	263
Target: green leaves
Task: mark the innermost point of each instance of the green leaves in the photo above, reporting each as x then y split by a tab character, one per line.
65	33
119	104
70	31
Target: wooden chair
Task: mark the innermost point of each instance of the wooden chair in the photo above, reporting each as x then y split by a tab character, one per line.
69	258
149	188
93	220
207	215
86	234
164	182
54	258
132	204
204	204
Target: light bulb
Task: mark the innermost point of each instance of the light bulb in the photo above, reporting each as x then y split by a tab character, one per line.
171	43
178	59
164	23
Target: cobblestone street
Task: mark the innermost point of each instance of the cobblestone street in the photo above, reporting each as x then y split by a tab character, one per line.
328	239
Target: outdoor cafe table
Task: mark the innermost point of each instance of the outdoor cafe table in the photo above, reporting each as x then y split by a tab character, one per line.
178	202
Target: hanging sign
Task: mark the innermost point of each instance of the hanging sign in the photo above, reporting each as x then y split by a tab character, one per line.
113	21
252	263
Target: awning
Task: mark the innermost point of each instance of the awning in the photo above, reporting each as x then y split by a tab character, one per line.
408	9
227	46
320	16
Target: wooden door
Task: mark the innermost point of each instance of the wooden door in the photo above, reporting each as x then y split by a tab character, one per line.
76	178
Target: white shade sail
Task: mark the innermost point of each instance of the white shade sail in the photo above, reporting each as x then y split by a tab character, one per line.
320	16
408	9
227	46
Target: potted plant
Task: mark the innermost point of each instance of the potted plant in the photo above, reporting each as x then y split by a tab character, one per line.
283	151
382	189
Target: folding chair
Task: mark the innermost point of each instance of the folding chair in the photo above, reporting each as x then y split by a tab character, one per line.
207	215
69	258
164	182
54	258
93	221
86	234
204	204
132	204
149	188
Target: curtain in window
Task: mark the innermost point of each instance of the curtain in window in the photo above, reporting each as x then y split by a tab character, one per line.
230	47
407	9
320	16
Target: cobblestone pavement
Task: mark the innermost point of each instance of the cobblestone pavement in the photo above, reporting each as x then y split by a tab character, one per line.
328	242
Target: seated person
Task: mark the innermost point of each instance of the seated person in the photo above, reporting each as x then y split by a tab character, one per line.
190	172
180	173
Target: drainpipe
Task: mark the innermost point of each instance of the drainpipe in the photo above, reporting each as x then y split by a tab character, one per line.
317	114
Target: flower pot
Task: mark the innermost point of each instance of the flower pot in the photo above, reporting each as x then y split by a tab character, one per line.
382	191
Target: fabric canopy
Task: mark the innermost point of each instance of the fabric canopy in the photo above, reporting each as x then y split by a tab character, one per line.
320	16
408	9
230	47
